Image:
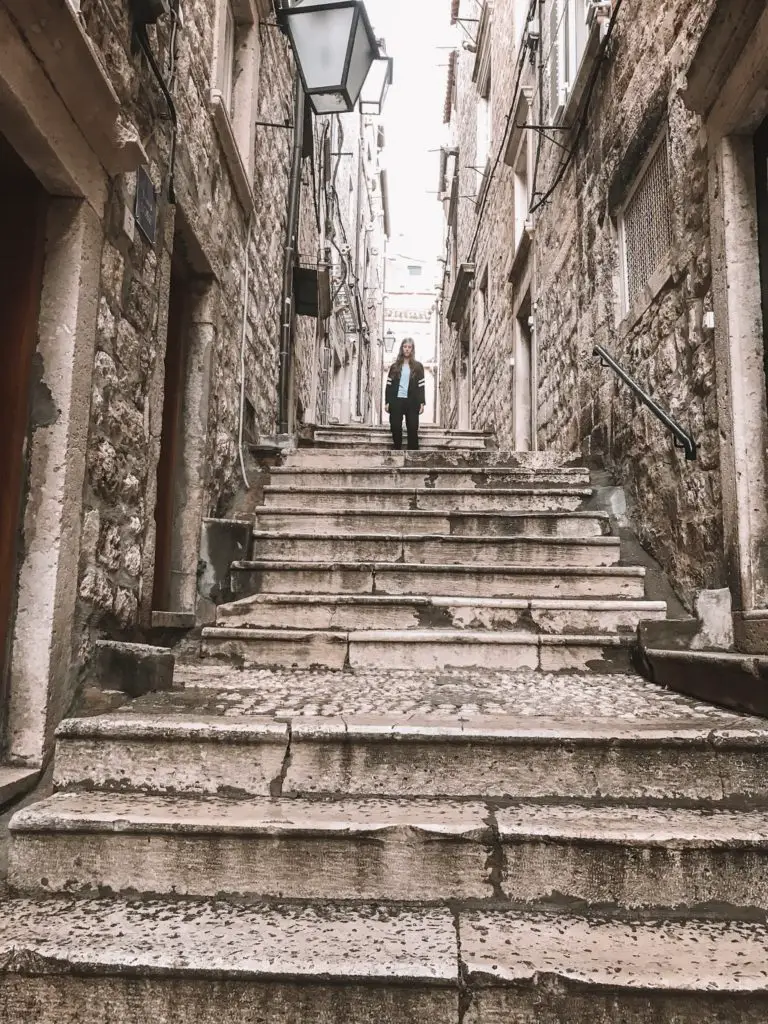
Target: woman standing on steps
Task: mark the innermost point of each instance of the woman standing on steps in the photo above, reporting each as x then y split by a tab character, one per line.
405	395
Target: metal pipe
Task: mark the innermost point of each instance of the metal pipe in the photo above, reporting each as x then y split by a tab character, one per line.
143	41
683	440
244	332
291	231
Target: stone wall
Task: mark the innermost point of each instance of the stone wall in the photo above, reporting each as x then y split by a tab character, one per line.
575	288
675	505
209	229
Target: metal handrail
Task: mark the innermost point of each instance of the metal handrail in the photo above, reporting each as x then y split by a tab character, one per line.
682	440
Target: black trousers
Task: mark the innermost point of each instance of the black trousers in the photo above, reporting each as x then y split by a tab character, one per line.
398	408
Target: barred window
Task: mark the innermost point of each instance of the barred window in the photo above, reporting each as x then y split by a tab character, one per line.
645	224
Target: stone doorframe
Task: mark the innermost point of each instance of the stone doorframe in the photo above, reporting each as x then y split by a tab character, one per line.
191	475
58	111
728	86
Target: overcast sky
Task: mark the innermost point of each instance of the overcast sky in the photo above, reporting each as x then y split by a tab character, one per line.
418	35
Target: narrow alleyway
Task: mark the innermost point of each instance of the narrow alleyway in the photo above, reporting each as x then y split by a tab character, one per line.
412	778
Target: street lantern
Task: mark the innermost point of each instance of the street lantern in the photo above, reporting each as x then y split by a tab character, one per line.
389	341
377	85
334	47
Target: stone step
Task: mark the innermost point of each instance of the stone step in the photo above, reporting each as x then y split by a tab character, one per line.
436	549
183	962
416	649
416	850
442	477
356	612
364	458
514	499
454	524
563	969
190	962
466	580
484	757
434	442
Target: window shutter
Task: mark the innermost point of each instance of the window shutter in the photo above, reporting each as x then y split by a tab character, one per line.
554	60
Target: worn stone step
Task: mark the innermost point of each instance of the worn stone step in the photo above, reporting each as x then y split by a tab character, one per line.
363	458
436	549
512	499
413	850
171	754
466	580
560	969
433	442
493	757
442	477
186	962
454	524
416	649
372	611
484	757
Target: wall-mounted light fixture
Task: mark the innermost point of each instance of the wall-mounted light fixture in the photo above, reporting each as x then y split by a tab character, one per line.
377	84
334	47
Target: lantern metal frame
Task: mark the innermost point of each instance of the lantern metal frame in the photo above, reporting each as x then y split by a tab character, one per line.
375	107
286	15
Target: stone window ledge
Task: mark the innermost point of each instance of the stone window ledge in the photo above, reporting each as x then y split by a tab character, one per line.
57	38
232	153
577	92
520	255
648	295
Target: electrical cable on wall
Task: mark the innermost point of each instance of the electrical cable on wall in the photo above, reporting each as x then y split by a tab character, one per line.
502	147
583	121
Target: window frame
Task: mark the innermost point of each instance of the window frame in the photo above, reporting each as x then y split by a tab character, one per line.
235	70
626	304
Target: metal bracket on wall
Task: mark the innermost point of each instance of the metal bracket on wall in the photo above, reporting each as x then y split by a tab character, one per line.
273	124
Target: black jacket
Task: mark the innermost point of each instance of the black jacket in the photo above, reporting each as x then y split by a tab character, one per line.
416	387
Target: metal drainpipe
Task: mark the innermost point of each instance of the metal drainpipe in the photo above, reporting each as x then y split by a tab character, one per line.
360	297
291	231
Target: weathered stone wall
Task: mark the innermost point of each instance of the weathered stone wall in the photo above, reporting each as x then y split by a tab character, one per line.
490	245
210	227
676	506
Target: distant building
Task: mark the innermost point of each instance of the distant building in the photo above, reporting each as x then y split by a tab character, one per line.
410	311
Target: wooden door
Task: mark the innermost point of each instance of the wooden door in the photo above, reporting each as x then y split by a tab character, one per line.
761	185
22	251
172	438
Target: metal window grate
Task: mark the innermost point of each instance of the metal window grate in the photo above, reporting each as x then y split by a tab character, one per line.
646	224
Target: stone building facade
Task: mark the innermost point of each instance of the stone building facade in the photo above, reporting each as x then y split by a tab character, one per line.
584	190
355	236
411	311
147	175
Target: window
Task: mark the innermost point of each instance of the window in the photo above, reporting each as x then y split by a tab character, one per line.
414	270
645	225
568	33
483	149
482	305
234	81
228	58
522	187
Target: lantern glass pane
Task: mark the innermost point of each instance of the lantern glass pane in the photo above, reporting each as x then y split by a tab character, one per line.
375	83
321	40
364	51
329	103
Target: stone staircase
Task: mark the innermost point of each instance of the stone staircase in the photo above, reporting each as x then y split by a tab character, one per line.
412	780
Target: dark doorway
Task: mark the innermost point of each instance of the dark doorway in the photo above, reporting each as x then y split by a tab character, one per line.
761	187
22	253
172	439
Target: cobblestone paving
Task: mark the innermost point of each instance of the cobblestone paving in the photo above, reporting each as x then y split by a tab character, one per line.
220	689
